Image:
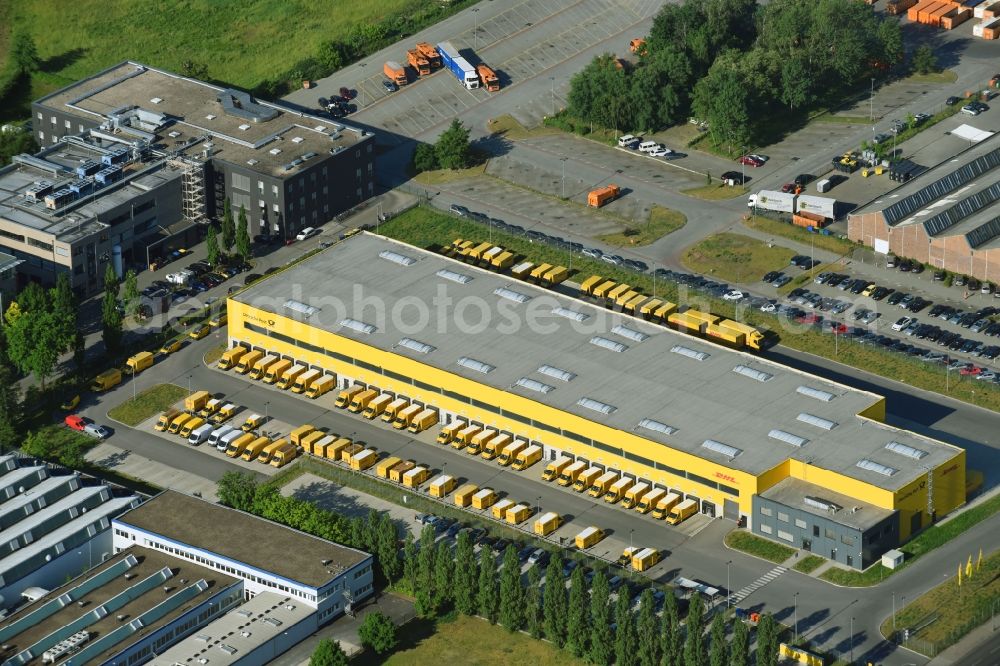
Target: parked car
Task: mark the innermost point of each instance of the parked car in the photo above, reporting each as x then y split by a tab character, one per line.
459	210
974	108
750	160
97	431
390	86
735	176
308	232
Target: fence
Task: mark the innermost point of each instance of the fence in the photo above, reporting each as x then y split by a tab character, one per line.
912	641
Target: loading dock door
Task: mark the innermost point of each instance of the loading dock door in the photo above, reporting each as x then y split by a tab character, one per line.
730	510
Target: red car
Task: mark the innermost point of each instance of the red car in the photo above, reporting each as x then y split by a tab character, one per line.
970	370
76	422
809	318
347	94
750	160
791	188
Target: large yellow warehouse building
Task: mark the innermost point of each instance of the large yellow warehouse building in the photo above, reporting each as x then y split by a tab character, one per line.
800	459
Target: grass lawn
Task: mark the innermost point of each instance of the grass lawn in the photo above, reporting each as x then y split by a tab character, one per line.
149	402
767	225
735	257
441	176
715	192
758	546
508	127
842	120
662	221
214	354
954	610
945	76
809	563
469	640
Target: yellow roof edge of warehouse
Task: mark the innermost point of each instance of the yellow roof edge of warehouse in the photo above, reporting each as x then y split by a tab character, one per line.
701	405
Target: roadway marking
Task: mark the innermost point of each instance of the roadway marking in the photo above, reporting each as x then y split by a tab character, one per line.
757	584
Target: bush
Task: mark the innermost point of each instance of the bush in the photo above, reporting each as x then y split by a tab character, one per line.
58	444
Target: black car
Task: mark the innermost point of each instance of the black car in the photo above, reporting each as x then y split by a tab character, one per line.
895	298
737	177
266	239
459	210
770	276
804	179
389	86
501	545
952	100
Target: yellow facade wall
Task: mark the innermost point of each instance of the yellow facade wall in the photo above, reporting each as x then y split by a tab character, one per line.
947	489
876	412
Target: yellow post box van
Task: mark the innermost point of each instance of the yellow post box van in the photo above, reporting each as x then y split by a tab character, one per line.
265	455
284	455
335	451
518	514
178	422
645	559
626	556
301	432
377	406
276	370
586	479
239	445
484	499
260	367
527	457
423	420
397	471
588	537
321	386
348	451
569	475
211	407
555	468
441	486
539	271
495	446
363	459
196	400
305	380
231	357
587	286
253	422
449	432
255	447
345	397
682	512
617	490
406	416
634	494
522	269
319	448
601	290
361	400
475	441
508	453
665	504
385	465
166	417
500	508
139	362
649	500
190	425
226	412
547	523
463	496
415	477
247	361
393	408
289	376
308	443
602	484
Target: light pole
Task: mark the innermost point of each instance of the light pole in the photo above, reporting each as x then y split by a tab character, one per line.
552	79
852	640
871	102
266	405
630	538
893	612
729	588
475	14
795	606
189	381
563	160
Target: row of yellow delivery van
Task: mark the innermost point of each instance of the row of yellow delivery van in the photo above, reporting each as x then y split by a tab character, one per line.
505	509
284	373
490	444
371	403
640	558
330	446
407	473
492	256
631	301
613	487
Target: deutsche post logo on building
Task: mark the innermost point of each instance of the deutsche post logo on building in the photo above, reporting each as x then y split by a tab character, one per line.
260	320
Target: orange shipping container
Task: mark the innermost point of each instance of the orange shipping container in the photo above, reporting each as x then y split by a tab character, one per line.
807	219
913	13
924	15
896	7
955	18
601	196
934	18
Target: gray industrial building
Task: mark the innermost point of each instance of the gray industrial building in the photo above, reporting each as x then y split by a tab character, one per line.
55	524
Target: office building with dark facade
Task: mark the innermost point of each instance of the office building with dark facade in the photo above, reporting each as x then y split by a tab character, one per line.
135	161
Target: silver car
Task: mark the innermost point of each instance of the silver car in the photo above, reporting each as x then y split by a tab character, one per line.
97	431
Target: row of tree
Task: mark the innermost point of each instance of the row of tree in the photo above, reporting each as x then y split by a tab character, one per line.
737	65
231	234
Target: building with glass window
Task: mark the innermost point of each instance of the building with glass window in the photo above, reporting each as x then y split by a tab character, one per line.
722	427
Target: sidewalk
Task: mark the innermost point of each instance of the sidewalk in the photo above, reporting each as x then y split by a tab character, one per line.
127	462
960	652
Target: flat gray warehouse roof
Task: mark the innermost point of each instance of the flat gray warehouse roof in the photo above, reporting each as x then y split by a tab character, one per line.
843	509
629	368
241	537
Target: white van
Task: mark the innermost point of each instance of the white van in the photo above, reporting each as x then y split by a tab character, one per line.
213	439
225	440
200	434
625	140
308	232
648	146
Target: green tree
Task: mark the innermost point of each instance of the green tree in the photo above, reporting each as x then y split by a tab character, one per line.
444	569
579	613
601	639
767	641
80	354
600	93
386	549
237	490
670	633
694	626
555	606
228	227
739	649
243	235
890	37
212	246
111	317
23	54
466	575
625	633
924	61
533	602
723	99
131	294
424	591
452	148
410	561
511	592
15	142
32	333
796	83
649	640
377	632
328	653
489	595
64	311
10	409
718	652
424	158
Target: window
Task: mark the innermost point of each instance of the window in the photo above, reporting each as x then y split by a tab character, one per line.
785	536
766	529
69	125
815	530
260	186
729	490
41	135
830	534
53	120
766	511
783	517
847	540
801	524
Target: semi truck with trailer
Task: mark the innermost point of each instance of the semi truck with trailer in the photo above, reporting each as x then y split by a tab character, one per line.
791	203
458	66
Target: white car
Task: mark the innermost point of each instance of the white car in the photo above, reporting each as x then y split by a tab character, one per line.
902	323
592	252
661	151
768	307
625	140
762	158
733	295
308	232
180	277
96	431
